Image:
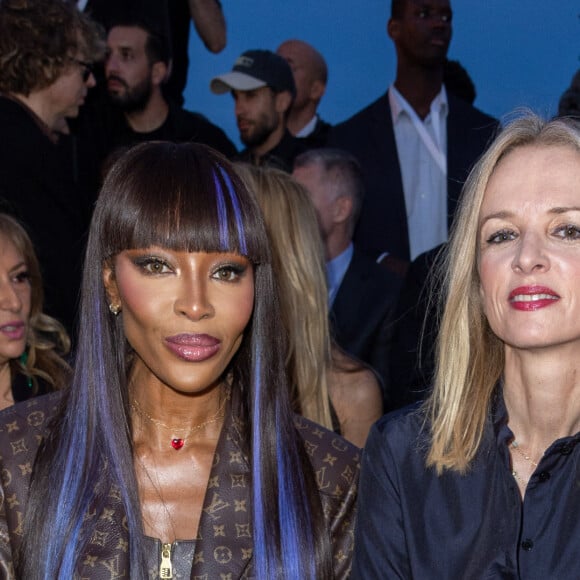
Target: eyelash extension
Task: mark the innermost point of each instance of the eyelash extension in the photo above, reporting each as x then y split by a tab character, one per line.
237	269
144	261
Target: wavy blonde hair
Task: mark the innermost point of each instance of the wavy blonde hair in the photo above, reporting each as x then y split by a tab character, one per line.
470	357
47	340
299	266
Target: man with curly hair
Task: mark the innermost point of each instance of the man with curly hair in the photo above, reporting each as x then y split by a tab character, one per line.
47	48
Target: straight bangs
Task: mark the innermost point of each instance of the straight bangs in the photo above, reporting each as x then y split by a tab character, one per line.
172	196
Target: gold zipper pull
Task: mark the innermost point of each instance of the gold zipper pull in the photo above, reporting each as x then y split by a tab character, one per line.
165	570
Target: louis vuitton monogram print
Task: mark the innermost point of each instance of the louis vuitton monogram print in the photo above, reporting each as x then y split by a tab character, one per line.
223	548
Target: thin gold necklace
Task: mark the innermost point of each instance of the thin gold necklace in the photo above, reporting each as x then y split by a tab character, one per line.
515	445
518	478
178	442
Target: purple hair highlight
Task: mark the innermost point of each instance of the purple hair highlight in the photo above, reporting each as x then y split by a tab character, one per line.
222	213
290	527
237	210
260	541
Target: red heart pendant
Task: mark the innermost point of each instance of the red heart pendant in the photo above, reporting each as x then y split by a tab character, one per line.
177	444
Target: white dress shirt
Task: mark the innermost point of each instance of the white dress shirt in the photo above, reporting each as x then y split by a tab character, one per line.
422	152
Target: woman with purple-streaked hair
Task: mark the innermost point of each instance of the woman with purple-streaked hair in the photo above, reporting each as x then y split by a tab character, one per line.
175	453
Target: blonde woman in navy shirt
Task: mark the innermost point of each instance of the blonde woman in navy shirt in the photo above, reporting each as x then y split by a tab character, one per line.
482	481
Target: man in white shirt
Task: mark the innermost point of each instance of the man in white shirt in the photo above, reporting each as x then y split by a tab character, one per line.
416	144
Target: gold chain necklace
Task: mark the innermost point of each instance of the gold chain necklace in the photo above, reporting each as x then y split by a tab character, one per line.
516	447
178	442
518	478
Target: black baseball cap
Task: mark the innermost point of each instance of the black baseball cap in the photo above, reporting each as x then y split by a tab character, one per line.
255	69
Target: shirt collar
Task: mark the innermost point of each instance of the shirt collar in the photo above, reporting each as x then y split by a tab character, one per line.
399	104
336	269
308	128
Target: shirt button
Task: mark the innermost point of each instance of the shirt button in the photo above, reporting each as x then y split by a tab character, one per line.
544	476
528	545
566	448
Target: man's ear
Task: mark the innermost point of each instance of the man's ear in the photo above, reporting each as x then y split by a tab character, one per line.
159	73
342	208
110	284
317	89
282	101
393	28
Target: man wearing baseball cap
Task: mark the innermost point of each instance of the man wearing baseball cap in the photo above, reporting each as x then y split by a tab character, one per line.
263	88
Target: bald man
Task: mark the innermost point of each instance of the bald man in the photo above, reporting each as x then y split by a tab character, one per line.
310	76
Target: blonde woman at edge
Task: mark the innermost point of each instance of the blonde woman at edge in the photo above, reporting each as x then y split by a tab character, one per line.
330	387
483	481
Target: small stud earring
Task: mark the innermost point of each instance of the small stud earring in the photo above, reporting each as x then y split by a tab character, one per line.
115	309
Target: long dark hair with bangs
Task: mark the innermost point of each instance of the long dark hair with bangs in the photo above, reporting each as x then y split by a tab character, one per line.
186	198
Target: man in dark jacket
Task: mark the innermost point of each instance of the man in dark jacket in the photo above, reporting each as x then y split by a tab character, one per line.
417	143
47	53
362	294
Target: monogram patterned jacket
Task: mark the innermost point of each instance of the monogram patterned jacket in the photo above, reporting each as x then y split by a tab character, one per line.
223	549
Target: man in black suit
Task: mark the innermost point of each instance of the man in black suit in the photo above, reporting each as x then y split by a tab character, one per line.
362	294
416	143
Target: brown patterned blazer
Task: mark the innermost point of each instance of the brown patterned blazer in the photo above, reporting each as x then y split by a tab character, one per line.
224	543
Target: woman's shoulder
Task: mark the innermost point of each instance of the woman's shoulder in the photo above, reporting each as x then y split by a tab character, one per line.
403	431
335	461
352	382
23	425
47	404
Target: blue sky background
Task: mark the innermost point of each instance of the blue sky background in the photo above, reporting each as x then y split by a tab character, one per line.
519	53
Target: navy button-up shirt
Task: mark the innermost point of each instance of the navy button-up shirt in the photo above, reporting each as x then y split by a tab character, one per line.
415	524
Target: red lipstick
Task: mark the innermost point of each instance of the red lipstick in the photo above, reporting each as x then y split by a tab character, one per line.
532	297
193	347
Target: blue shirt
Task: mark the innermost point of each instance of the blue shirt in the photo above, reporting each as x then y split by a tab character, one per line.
335	271
415	524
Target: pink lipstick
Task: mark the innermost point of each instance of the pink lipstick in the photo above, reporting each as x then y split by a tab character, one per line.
193	347
532	297
14	330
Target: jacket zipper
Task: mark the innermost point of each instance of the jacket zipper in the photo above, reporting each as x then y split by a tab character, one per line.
165	570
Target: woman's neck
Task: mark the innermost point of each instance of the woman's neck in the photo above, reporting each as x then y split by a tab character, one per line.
542	396
162	415
6	397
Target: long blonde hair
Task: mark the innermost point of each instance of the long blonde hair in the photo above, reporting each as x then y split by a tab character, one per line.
47	340
298	257
470	357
